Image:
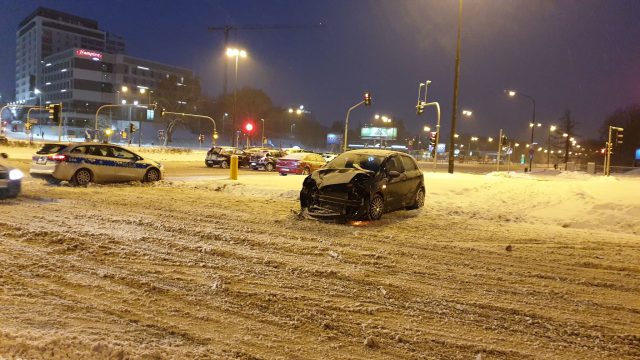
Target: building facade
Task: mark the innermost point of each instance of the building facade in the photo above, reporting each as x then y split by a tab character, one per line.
83	80
43	33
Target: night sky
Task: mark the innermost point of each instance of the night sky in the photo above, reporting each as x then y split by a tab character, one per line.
580	55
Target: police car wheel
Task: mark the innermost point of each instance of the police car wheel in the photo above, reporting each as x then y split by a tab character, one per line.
152	175
82	177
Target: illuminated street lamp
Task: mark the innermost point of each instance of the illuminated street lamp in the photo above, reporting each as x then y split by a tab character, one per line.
552	128
513	93
490	139
426	129
473	138
236	53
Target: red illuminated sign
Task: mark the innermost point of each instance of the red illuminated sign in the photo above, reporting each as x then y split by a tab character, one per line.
94	55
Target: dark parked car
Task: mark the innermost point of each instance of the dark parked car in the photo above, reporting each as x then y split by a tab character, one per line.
265	159
10	180
363	184
221	156
299	163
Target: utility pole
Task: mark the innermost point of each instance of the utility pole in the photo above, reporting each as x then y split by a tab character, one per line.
499	151
454	113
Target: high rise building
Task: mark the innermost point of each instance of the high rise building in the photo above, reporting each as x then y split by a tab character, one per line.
45	32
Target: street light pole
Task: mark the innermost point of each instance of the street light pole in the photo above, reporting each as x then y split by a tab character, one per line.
454	113
262	140
533	122
551	129
346	125
237	53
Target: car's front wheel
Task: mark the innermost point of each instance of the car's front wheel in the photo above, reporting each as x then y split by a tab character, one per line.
375	207
209	164
152	175
268	167
224	164
418	200
82	177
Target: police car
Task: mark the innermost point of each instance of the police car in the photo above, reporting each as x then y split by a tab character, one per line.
82	163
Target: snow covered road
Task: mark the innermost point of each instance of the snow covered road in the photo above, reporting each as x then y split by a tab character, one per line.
507	267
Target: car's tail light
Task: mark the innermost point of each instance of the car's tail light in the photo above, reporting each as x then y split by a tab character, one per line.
58	157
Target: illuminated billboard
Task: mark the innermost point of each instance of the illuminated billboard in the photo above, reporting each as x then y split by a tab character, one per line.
378	133
334	139
637	154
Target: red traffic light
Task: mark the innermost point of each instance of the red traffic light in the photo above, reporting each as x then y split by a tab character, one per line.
248	127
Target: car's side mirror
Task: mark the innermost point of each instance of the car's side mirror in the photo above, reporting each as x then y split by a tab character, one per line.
4	155
394	174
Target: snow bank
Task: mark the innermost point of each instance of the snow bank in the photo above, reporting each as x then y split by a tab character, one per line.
574	200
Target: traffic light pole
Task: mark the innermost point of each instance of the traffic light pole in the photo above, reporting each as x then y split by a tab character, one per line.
215	130
346	125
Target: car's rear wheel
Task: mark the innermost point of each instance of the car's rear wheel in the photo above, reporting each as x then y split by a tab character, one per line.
224	164
375	207
418	201
306	171
268	167
152	175
82	177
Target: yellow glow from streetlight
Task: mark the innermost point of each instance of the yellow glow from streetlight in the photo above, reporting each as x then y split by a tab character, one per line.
516	144
426	129
490	139
572	139
530	124
243	53
290	111
553	128
511	93
565	135
377	116
540	149
456	136
539	124
467	113
143	90
124	89
108	132
473	138
299	111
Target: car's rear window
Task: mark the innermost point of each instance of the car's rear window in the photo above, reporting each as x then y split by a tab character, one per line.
295	156
51	149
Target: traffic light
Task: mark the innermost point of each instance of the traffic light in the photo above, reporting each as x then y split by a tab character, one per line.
367	98
504	139
158	111
201	138
215	136
132	128
620	136
419	108
432	139
248	127
27	126
54	112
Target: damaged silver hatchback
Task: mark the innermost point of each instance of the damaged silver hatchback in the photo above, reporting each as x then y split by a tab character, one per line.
363	184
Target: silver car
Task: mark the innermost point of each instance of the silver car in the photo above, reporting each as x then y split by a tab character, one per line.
82	163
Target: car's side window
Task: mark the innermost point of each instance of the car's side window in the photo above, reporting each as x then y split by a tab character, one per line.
394	164
408	163
123	154
79	150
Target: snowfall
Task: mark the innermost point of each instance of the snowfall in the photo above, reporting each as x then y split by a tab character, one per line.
496	266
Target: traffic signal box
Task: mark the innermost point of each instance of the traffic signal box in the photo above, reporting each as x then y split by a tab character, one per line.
367	98
55	113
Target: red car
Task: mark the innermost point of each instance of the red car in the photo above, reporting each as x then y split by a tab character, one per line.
301	163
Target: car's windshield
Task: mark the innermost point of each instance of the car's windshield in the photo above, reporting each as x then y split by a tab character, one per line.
51	149
356	161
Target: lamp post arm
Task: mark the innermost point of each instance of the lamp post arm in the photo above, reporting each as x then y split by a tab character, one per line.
346	124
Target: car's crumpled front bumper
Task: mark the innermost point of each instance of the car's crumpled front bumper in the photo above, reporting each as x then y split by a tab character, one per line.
332	207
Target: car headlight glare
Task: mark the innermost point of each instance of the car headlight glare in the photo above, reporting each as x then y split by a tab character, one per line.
15	174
